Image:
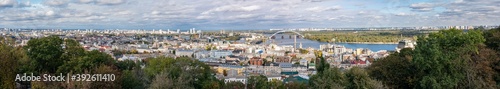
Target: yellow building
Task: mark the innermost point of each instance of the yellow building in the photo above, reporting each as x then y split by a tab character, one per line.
230	69
358	51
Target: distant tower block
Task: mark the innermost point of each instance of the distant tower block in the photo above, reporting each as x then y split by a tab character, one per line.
300	45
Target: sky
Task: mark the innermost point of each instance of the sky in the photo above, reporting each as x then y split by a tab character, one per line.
244	14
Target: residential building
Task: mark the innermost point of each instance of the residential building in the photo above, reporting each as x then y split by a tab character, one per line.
405	44
256	61
187	53
283	59
303	62
220	53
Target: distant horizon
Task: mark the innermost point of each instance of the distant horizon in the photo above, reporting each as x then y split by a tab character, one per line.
245	14
227	29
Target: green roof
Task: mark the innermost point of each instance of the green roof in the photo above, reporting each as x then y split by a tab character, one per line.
289	73
295	79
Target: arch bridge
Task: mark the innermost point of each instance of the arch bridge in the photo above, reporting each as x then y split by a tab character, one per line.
270	37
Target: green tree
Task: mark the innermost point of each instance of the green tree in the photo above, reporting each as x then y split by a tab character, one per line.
118	52
303	51
46	53
157	65
318	54
296	85
90	60
166	80
396	70
258	82
358	78
9	57
438	58
447	59
234	85
493	38
178	69
130	80
322	64
72	49
481	70
493	41
126	64
213	85
329	79
276	84
105	69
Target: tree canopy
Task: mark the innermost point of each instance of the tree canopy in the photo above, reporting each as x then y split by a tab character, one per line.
182	72
447	59
9	58
46	53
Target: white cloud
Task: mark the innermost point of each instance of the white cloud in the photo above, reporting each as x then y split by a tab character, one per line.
30	15
250	8
422	7
243	16
95	17
7	3
232	8
101	2
49	13
85	1
404	14
155	12
233	13
109	2
57	2
75	14
203	17
322	9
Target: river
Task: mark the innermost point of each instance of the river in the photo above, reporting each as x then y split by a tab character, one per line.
306	43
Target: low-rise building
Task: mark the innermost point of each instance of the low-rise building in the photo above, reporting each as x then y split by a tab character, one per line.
220	53
230	69
187	53
283	59
256	61
303	62
405	44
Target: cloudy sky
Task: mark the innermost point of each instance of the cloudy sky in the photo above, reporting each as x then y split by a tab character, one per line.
244	14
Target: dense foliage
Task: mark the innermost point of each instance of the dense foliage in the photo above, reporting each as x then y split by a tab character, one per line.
396	70
179	73
447	59
9	56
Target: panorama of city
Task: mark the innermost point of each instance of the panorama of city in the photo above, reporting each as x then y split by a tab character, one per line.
256	44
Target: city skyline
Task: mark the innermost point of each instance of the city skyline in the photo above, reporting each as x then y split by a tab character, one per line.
244	14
